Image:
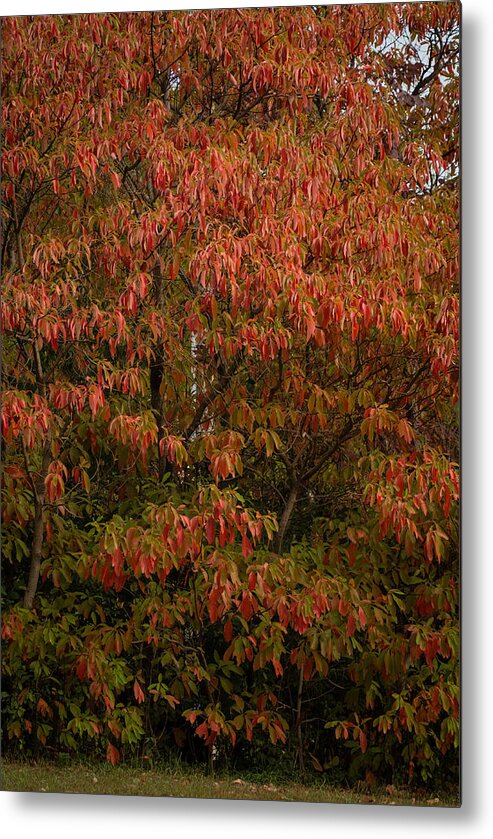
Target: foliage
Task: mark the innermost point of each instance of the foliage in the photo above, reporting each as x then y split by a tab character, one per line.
230	365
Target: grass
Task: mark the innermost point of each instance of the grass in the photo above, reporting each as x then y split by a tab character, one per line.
184	782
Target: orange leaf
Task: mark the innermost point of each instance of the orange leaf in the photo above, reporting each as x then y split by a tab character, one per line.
112	754
363	741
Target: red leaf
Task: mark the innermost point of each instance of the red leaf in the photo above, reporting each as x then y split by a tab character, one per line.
138	692
210	530
246	546
202	730
246	607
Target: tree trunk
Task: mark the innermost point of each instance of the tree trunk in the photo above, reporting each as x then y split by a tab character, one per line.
286	516
38	535
37	546
299	733
156	378
39	482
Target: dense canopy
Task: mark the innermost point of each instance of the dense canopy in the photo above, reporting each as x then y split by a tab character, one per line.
230	380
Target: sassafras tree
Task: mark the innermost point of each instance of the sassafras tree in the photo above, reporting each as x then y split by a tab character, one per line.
230	364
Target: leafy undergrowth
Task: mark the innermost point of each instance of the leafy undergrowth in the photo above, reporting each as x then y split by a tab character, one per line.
192	783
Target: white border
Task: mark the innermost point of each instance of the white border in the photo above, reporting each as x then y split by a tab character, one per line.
92	816
65	6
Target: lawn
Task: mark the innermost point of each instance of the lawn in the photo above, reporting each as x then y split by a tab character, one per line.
184	782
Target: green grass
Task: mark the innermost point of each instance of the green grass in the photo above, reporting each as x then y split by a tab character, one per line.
184	782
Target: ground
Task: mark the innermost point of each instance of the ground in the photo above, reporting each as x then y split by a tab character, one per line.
186	783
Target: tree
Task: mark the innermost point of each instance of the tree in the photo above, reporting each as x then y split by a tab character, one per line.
230	319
